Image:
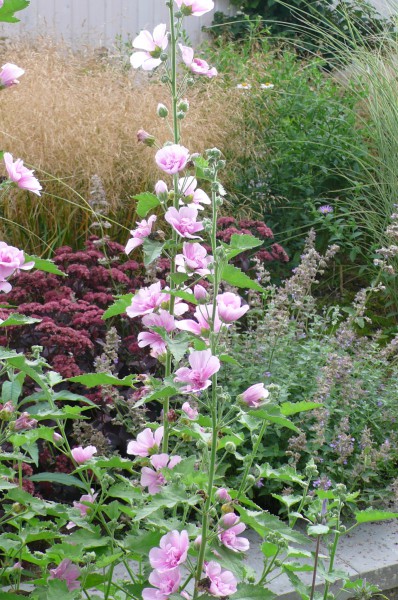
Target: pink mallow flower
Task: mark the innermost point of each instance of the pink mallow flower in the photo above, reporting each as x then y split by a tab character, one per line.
230	307
20	175
184	221
147	442
151	47
83	508
149	299
9	74
201	327
11	261
194	259
203	366
152	338
188	187
196	8
153	479
173	551
191	413
222	583
229	530
254	395
172	159
166	582
68	572
200	293
144	228
82	455
196	65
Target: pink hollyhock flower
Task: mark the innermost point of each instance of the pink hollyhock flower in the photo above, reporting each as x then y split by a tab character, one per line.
147	442
68	572
144	228
153	339
229	529
166	582
20	175
11	261
151	298
222	583
173	551
196	8
203	366
200	293
151	46
83	508
184	221
222	495
161	188
203	315
194	258
187	186
82	455
192	413
172	159
153	479
197	65
25	421
229	307
9	74
254	395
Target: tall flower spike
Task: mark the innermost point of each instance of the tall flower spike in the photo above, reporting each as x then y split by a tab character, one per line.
151	47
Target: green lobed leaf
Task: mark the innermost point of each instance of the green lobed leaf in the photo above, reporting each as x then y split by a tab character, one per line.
61	478
9	8
229	359
263	522
17	319
273	415
187	296
367	516
318	529
118	307
241	242
43	264
146	202
237	278
152	250
93	379
292	408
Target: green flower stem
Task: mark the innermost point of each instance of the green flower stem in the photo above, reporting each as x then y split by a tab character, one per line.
176	135
214	409
251	459
293	521
333	554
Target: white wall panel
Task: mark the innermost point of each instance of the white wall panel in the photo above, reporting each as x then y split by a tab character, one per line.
98	22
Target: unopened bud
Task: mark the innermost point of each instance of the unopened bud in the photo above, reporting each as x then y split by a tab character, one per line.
251	479
172	416
227	508
190	81
145	137
230	447
161	189
200	293
183	105
180	115
165	78
162	111
18	508
164	56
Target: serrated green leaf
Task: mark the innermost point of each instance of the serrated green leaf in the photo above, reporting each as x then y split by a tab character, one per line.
125	492
165	392
273	415
178	346
16	319
9	8
118	307
93	379
152	250
318	529
187	296
229	359
292	408
247	591
61	478
43	264
237	278
241	242
179	278
146	202
263	522
367	516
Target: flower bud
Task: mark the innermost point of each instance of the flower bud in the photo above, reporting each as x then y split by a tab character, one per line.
180	115
250	480
183	105
222	495
161	189
165	78
18	508
230	447
227	508
57	437
162	111
164	56
145	137
190	81
200	293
